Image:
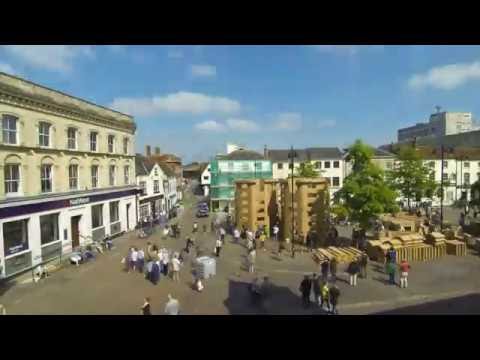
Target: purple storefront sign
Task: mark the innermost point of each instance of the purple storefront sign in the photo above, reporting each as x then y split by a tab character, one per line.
19	210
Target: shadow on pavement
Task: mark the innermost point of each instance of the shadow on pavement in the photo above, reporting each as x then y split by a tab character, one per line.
466	304
6	285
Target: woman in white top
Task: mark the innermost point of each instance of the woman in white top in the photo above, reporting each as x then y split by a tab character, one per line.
175	269
236	235
251	260
133	259
218	247
140	260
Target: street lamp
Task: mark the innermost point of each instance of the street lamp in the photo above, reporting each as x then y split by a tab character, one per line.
292	155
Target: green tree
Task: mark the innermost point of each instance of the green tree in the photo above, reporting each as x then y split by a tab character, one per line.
411	177
475	194
306	169
365	193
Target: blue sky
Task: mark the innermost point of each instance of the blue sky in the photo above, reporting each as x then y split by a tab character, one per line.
191	100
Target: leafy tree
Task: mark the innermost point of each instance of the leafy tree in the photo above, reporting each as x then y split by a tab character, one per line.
411	177
365	193
306	169
475	194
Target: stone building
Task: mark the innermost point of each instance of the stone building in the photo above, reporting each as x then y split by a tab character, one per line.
256	203
311	201
68	173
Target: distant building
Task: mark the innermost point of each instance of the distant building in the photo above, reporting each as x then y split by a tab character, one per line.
205	179
440	124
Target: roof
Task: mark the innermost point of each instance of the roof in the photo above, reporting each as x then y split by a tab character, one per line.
242	155
192	167
166	169
144	165
382	153
307	154
140	168
203	167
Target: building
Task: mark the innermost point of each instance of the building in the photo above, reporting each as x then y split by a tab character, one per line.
240	164
311	201
205	179
192	171
68	169
328	161
151	199
173	161
256	203
171	187
384	159
440	124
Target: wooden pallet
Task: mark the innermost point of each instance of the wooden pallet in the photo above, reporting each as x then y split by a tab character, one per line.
457	248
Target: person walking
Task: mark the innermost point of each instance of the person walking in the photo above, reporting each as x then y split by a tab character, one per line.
176	269
391	269
165	261
172	307
334	295
333	269
218	247
324	269
236	235
276	230
305	289
363	265
262	239
252	254
195	227
133	259
155	273
316	287
404	270
146	307
353	270
325	296
222	235
140	260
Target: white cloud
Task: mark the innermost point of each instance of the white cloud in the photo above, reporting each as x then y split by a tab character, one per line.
175	54
179	102
288	121
446	77
210	125
326	123
203	70
7	68
50	57
242	125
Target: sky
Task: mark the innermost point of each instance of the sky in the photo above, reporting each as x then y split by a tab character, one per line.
192	100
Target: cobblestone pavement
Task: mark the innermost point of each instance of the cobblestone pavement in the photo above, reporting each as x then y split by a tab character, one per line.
102	287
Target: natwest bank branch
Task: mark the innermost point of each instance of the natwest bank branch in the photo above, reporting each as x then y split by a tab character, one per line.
36	230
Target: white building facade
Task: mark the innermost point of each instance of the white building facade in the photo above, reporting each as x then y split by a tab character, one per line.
205	180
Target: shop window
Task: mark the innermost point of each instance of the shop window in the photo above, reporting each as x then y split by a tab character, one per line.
97	216
114	217
15	236
144	211
49	228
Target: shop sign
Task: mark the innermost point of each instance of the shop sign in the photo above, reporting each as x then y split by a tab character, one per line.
79	201
16	249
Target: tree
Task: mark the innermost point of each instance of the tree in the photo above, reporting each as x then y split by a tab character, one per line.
475	194
306	169
411	177
365	193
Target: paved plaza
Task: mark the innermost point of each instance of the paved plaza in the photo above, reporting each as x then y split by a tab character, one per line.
448	285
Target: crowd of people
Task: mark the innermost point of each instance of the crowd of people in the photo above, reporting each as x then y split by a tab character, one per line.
325	293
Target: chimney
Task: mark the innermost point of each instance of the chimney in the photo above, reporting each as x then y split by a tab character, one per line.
265	152
157	150
148	150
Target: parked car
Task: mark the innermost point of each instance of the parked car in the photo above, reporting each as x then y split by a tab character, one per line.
202	213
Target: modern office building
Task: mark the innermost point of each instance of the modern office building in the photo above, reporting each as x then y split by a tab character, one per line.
68	174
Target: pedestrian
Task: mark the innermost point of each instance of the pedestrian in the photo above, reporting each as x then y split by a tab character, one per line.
222	235
305	289
404	270
155	272
252	255
173	306
176	269
333	269
218	247
276	230
195	227
133	259
262	239
353	270
243	233
236	235
249	244
164	261
140	260
324	269
146	307
325	296
149	250
363	265
316	286
391	269
334	295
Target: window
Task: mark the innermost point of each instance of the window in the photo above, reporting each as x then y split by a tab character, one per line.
44	134
205	178
445	178
111	175
245	166
318	165
466	164
73	177
143	187
15	236
155	172
114	212
111	143
12	178
258	166
46	178
156	186
327	165
94	176
453	177
445	164
72	138
336	164
230	166
279	166
336	181
49	228
125	145
97	216
93	141
9	129
389	165
144	211
126	174
466	179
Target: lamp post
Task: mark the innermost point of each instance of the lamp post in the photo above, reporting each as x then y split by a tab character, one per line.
443	151
292	154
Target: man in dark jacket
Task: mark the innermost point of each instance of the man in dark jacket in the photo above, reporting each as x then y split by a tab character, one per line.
334	295
333	269
363	265
316	288
324	269
305	289
353	270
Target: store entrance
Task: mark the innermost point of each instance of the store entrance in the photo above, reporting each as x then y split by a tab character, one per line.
75	223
